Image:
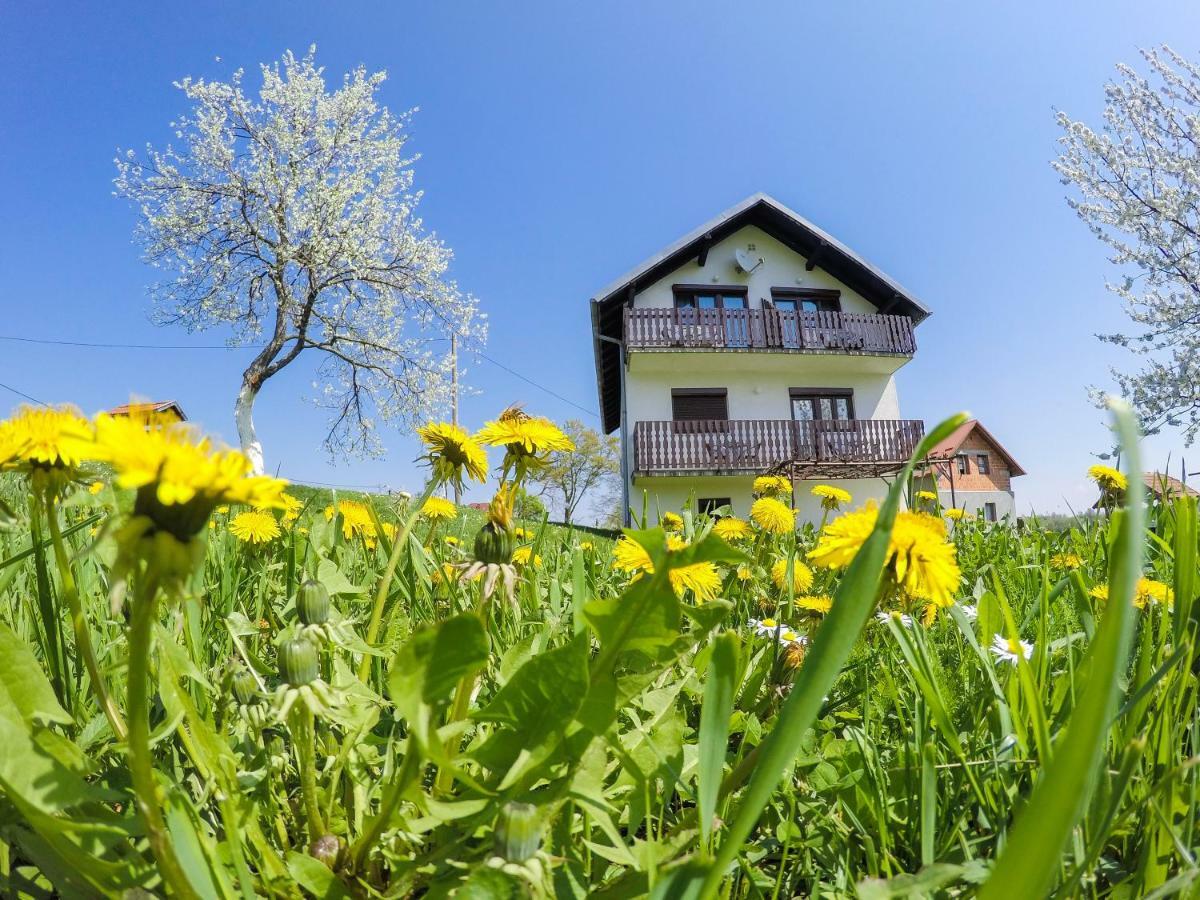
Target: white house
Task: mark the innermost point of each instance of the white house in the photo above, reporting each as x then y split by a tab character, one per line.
758	343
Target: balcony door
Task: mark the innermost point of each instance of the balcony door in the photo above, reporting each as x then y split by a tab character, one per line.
823	423
714	316
806	317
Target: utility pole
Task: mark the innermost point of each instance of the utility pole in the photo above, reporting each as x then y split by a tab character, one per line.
454	398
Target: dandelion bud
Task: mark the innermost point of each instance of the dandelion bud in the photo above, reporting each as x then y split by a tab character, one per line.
327	848
245	687
312	603
518	832
494	545
298	662
793	655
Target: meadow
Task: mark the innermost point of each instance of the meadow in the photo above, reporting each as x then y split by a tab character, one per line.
216	685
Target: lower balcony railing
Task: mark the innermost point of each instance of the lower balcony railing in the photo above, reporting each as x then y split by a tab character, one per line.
758	445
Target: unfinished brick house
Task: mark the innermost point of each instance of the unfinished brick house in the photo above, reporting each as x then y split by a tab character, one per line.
971	470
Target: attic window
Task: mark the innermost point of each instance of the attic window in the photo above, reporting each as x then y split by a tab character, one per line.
691	296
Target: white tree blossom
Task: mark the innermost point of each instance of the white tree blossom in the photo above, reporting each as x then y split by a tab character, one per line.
290	218
1138	181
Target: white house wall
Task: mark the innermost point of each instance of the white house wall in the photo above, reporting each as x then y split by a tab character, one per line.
784	268
677	492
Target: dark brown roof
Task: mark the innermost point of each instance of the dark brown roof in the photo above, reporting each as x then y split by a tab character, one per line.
787	227
153	405
949	447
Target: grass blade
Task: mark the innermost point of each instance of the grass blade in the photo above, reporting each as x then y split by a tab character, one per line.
719	690
853	602
1032	856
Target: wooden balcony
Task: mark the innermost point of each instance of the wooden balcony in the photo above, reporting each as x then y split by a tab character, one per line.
769	329
813	449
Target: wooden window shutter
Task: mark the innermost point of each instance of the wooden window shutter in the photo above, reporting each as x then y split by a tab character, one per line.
691	404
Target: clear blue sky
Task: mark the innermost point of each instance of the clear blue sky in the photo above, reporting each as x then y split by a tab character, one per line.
563	143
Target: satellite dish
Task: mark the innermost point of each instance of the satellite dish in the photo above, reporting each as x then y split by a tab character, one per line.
745	262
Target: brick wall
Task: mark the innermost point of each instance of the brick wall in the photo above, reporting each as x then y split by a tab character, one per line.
998	478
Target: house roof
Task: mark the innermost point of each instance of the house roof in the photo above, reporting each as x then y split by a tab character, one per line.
126	409
947	448
762	211
1160	484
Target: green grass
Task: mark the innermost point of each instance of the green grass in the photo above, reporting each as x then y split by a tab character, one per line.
663	747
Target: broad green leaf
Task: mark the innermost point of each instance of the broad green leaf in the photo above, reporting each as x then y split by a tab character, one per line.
335	582
535	707
25	693
316	878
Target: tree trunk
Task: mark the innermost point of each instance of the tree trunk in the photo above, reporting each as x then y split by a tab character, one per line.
243	415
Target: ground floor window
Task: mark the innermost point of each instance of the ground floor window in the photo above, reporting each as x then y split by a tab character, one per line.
709	505
989	512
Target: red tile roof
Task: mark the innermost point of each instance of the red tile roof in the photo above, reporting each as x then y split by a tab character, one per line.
947	448
153	405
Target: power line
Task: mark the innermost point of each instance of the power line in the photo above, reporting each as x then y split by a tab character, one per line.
13	390
116	346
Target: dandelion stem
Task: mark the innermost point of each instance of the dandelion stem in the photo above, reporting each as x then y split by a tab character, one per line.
83	636
304	739
389	572
141	760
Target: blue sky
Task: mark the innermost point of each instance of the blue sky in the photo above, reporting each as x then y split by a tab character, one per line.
563	143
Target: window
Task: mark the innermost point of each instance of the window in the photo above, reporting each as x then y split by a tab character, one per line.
689	296
963	466
799	300
709	505
989	512
828	404
982	464
694	404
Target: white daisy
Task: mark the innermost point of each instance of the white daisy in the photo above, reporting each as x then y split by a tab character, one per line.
787	636
767	627
903	618
971	612
1006	650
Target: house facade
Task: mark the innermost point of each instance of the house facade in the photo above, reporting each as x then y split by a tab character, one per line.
756	344
971	470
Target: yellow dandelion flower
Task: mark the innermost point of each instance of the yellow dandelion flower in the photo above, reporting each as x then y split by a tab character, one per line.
802	576
1108	478
920	561
522	534
451	541
1067	561
523	555
356	520
671	521
831	497
744	573
95	487
527	440
585	546
730	528
956	515
254	527
815	603
928	496
772	486
44	438
773	516
701	578
223	510
291	507
453	454
1146	591
438	509
180	476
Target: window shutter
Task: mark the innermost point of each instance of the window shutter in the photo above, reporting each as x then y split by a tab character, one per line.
690	405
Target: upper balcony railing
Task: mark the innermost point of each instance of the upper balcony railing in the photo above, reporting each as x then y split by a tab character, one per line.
768	329
751	446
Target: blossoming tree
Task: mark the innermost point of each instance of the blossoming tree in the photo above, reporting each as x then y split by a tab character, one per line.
290	218
1138	180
